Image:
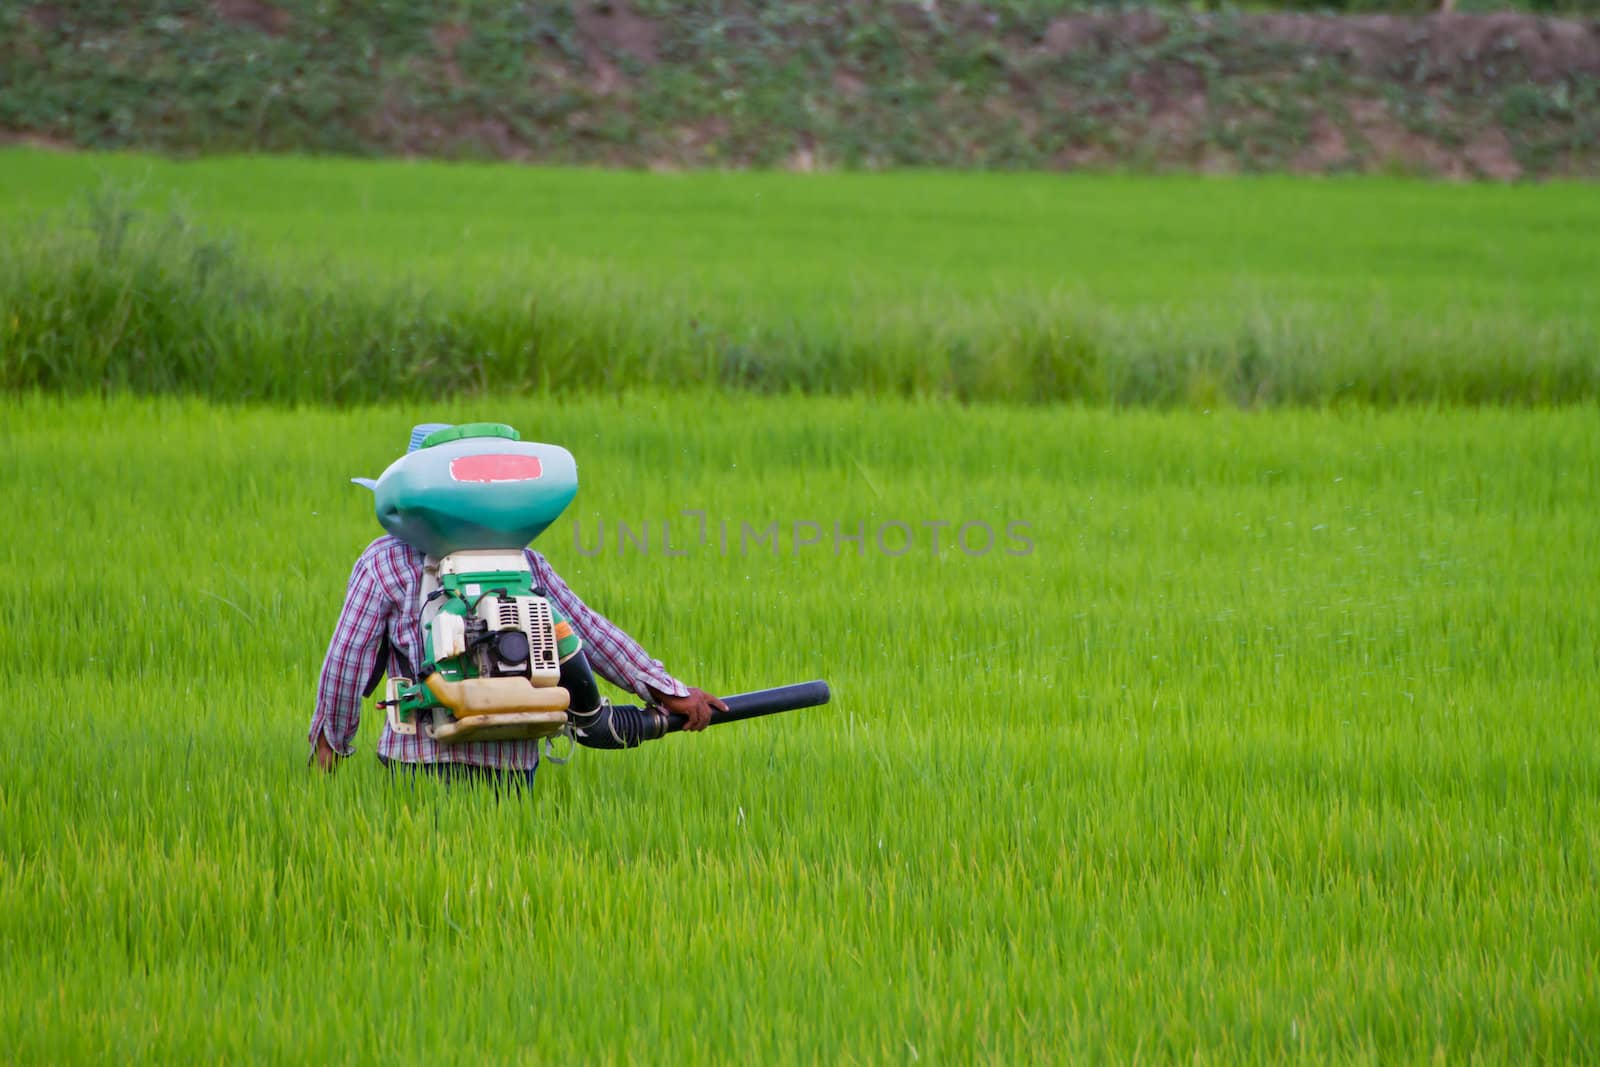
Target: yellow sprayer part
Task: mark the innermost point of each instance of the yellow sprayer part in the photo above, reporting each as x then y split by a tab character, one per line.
496	696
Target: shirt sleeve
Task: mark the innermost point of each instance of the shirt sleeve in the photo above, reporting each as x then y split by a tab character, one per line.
614	655
352	654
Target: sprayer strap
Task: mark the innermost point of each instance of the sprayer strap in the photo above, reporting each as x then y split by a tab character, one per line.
380	665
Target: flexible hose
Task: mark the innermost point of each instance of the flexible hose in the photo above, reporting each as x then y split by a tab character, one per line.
629	726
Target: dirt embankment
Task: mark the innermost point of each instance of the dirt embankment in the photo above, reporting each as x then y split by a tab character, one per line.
808	85
1448	94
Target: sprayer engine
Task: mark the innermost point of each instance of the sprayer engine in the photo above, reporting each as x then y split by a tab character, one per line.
494	646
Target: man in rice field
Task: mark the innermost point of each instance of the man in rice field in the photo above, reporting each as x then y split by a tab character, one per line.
379	630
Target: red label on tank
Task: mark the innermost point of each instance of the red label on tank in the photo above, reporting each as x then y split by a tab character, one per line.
495	468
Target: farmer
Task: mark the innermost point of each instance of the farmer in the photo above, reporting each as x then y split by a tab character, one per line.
382	617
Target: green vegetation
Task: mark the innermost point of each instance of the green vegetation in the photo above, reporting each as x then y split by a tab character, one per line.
1279	744
1275	742
1034	84
297	280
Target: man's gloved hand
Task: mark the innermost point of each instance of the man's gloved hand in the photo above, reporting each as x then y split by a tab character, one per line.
697	706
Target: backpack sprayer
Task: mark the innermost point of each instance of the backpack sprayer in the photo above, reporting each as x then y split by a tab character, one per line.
500	661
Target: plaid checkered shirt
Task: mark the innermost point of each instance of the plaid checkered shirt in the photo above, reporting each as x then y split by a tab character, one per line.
382	600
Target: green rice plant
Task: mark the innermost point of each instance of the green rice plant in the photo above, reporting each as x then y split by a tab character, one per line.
1275	743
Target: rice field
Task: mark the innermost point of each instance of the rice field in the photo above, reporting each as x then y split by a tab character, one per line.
1203	570
1276	742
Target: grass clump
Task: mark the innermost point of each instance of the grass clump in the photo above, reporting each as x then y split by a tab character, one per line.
380	281
122	300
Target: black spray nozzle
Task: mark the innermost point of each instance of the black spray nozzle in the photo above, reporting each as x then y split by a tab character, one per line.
628	726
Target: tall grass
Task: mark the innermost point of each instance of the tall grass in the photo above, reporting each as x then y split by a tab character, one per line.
485	280
1279	744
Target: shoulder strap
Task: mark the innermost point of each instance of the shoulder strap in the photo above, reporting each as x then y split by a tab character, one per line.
380	666
387	650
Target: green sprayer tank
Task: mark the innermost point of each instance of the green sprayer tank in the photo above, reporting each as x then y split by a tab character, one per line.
475	487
